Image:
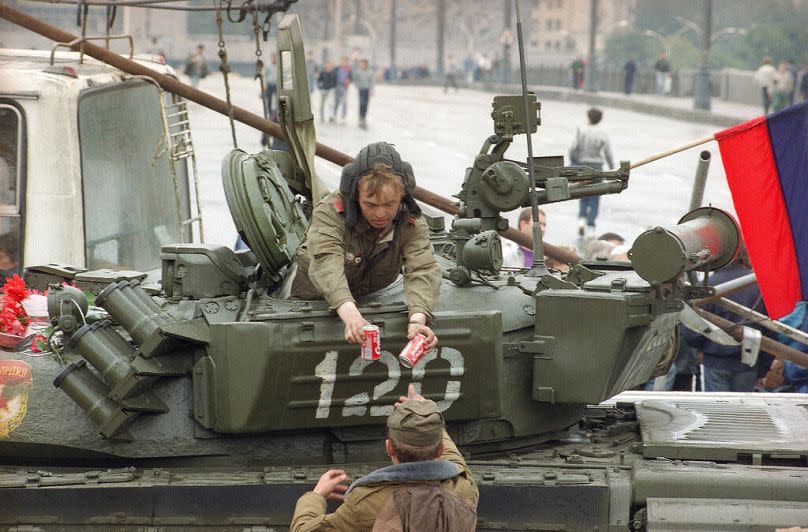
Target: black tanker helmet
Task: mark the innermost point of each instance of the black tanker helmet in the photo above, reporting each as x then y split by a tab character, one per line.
366	160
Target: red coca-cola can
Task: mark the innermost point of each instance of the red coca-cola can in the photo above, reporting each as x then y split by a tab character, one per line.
413	351
371	347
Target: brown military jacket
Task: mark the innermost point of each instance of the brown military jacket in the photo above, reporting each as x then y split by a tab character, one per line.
338	263
363	503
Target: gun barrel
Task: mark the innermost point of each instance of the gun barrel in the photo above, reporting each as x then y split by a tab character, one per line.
706	238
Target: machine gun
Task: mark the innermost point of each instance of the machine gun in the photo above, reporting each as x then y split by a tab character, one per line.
494	184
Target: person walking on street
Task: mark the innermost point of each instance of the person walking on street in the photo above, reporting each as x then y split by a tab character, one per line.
783	88
662	67
591	148
794	72
271	82
196	67
577	73
428	487
363	80
803	84
764	78
451	75
311	71
341	89
630	70
326	81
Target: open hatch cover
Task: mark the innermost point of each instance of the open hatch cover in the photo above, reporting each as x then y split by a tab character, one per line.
264	210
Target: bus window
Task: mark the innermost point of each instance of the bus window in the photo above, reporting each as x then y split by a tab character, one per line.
130	205
10	179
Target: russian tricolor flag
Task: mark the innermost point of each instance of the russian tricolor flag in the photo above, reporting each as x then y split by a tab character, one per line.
766	162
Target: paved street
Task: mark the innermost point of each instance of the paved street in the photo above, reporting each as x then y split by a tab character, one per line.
441	133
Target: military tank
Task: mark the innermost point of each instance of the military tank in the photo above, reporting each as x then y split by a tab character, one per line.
203	396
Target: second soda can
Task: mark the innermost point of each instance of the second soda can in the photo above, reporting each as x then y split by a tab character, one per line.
371	347
413	351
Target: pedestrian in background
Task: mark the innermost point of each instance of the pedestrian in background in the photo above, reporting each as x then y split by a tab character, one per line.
630	70
783	87
591	148
326	81
764	78
515	255
725	368
794	375
662	68
196	67
794	72
577	73
341	89
363	80
451	72
271	82
469	66
802	83
311	71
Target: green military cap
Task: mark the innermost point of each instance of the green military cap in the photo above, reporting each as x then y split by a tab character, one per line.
416	423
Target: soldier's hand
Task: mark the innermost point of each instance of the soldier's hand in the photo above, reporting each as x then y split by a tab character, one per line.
417	325
332	485
411	394
415	328
353	321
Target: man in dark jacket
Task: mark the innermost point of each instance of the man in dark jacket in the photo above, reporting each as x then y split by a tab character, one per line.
630	70
326	81
723	369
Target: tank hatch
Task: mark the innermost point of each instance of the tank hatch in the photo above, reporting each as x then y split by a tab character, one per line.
265	212
730	429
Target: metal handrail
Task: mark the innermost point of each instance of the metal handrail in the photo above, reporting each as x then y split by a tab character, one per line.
80	40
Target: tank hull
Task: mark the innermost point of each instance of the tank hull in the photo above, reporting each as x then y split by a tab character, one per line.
598	477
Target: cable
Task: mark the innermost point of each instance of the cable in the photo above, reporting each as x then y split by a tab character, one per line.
272	7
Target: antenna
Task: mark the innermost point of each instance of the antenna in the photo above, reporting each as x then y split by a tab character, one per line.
538	269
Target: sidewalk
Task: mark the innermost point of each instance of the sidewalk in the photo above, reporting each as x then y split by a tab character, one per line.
723	113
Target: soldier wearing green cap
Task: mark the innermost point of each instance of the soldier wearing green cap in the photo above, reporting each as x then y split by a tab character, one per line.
363	236
428	487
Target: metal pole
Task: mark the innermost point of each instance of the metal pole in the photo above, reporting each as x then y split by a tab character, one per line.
776	349
338	37
697	195
701	90
763	320
590	83
440	31
324	54
730	287
506	47
393	6
538	269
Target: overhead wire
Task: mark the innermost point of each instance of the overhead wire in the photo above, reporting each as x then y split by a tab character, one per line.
270	7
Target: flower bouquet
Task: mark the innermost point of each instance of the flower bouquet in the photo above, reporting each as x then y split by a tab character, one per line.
23	313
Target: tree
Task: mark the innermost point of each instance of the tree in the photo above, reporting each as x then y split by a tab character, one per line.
624	44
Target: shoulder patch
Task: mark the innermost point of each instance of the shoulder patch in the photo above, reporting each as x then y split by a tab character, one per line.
339	205
411	220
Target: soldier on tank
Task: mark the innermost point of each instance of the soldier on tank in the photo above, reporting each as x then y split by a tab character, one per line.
360	239
428	487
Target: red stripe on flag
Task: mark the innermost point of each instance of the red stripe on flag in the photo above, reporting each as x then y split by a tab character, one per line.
755	186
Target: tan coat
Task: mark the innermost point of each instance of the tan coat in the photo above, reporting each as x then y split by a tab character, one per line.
339	264
364	503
